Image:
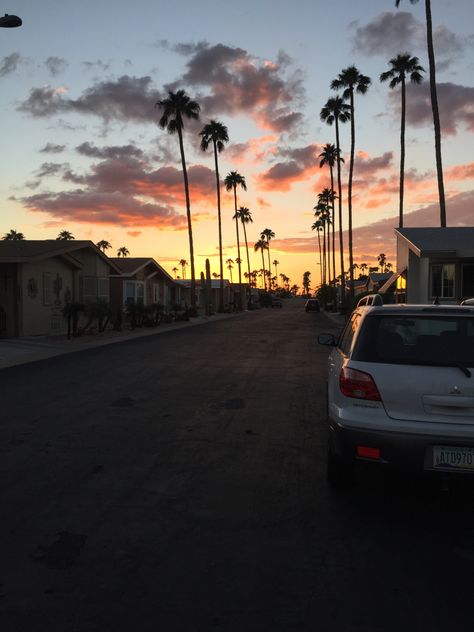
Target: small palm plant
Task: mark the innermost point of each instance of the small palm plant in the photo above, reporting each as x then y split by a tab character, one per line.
13	235
65	235
123	252
103	245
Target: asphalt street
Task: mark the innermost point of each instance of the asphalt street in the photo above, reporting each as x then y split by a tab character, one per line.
177	482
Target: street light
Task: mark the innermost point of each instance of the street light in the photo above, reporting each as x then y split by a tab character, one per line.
10	21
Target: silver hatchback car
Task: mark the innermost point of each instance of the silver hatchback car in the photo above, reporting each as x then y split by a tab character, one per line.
401	389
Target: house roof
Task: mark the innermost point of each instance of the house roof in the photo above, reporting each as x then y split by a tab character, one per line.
30	250
456	241
129	266
379	277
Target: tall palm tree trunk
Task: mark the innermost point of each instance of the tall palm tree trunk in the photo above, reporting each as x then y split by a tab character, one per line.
324	252
333	233
434	106
264	272
188	214
320	259
238	246
328	250
339	191
402	154
248	263
349	196
269	270
219	221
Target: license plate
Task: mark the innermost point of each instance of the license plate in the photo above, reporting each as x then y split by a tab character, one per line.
453	458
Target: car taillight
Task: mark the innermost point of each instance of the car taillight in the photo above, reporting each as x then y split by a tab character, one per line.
354	383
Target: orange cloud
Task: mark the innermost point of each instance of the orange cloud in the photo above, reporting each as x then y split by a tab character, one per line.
461	172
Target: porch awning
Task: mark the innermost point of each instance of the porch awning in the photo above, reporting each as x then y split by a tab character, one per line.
391	281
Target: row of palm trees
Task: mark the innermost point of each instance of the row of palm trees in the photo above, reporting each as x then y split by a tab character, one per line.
341	109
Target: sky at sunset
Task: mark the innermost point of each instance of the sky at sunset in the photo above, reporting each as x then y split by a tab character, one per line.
82	151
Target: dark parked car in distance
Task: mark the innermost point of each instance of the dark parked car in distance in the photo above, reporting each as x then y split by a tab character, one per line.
312	305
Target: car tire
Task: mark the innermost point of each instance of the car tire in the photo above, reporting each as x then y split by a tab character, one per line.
339	474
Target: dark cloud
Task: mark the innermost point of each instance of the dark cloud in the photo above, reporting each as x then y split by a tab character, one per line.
456	106
234	81
390	33
10	63
125	99
55	65
96	65
48	169
301	163
122	189
365	165
94	207
122	151
52	148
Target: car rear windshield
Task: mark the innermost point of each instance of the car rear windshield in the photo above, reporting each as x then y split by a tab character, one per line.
423	338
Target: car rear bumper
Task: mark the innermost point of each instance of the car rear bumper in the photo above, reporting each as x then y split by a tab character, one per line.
403	450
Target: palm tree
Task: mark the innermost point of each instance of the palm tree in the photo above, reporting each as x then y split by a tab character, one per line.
217	134
13	235
337	111
245	216
329	157
363	268
175	108
65	235
350	80
183	263
230	266
306	282
232	180
323	209
262	245
434	107
382	258
268	235
103	245
318	226
123	252
174	270
276	263
402	66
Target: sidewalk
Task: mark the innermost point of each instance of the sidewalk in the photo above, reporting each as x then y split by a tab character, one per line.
338	319
15	351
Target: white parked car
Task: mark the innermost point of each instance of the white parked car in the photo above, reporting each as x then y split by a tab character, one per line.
401	389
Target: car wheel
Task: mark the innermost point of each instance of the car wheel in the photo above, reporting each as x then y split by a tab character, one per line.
339	474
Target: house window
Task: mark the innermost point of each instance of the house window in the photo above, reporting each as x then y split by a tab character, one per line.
442	280
156	293
468	281
103	288
134	292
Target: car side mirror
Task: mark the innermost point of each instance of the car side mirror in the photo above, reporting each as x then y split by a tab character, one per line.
327	339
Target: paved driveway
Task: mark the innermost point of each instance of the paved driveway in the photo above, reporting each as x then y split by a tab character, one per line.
177	483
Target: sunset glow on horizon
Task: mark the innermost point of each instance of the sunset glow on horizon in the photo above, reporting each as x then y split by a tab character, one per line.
84	151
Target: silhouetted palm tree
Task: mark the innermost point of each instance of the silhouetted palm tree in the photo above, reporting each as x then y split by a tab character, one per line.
276	263
232	181
123	252
336	111
329	157
217	134
318	227
103	245
230	266
65	235
382	258
183	263
268	234
434	107
13	235
350	80
176	107
245	216
175	271
403	66
262	245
